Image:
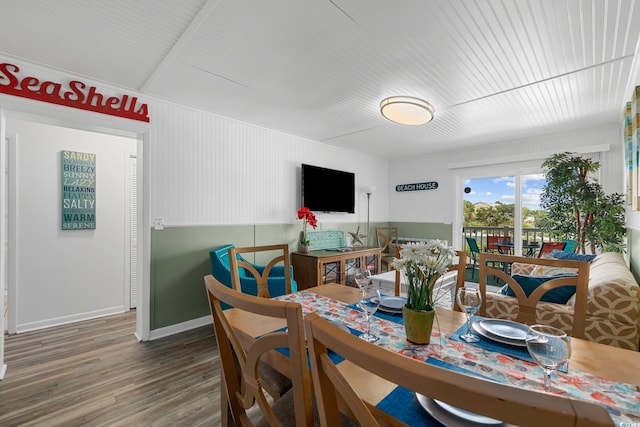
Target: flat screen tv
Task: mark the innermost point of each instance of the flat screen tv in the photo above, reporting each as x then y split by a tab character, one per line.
328	190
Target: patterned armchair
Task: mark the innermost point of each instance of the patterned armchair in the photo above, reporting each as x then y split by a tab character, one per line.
613	303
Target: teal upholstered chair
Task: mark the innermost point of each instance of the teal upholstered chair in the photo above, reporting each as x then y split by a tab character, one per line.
220	269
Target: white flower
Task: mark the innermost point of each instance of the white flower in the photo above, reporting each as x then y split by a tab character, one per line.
420	263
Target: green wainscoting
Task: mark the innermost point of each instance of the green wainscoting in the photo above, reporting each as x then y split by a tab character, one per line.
180	260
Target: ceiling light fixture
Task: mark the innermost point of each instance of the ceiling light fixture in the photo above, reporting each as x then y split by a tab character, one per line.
407	110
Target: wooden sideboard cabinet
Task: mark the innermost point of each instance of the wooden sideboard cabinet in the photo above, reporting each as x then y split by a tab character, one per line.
323	266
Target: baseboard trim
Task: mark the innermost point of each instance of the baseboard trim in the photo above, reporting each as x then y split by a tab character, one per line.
63	320
3	371
180	327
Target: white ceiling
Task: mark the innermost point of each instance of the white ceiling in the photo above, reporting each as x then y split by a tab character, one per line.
493	69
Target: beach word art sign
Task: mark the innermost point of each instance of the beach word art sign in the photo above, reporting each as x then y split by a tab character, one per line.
419	186
78	190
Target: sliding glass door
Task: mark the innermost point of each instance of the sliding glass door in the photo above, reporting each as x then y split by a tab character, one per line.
502	212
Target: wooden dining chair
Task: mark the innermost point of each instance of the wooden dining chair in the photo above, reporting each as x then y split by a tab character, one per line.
240	268
527	303
387	241
241	382
500	401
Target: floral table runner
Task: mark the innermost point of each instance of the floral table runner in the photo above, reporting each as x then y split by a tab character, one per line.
621	400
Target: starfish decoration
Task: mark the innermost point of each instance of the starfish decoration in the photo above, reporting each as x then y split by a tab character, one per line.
574	381
357	237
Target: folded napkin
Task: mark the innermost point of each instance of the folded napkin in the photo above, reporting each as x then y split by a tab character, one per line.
403	404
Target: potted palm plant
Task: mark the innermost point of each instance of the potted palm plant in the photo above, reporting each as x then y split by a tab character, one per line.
421	264
577	206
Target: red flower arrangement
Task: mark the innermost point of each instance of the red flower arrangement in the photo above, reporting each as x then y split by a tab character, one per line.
307	217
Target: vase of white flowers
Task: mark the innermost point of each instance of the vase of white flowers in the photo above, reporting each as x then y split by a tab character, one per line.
422	264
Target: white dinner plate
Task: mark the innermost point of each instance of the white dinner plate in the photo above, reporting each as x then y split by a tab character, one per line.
395	303
505	329
477	326
390	310
452	416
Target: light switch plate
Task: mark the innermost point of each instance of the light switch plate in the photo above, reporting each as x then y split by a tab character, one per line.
158	223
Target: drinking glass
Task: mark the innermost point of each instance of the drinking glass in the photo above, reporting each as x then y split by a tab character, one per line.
469	300
550	348
369	303
362	277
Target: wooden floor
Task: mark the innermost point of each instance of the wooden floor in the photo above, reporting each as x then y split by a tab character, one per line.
95	373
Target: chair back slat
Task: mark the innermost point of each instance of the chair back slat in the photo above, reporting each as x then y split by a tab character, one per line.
237	263
527	304
386	239
500	401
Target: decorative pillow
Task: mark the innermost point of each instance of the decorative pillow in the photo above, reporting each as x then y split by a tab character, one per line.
530	283
572	256
549	270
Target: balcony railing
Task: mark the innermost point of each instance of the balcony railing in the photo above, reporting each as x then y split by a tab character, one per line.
529	235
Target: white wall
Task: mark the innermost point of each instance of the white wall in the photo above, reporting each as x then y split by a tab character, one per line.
66	276
207	169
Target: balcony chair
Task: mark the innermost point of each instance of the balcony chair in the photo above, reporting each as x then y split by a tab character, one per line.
474	252
571	245
241	378
493	243
387	241
500	401
548	247
221	270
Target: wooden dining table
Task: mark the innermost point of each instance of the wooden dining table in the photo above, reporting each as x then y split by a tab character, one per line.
612	363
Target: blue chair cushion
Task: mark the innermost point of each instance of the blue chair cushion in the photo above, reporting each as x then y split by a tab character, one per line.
530	283
572	256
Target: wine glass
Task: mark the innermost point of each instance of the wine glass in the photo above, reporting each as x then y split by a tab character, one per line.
550	348
362	277
369	303
469	300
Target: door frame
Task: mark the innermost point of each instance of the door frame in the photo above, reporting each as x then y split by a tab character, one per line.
38	112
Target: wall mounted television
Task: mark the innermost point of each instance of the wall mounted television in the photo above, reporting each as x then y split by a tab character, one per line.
328	190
